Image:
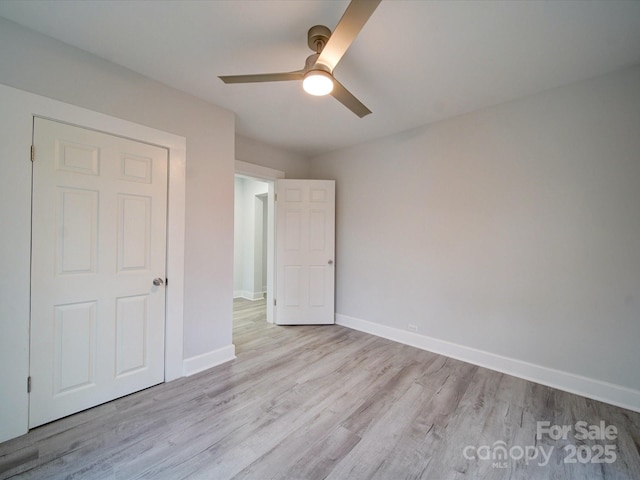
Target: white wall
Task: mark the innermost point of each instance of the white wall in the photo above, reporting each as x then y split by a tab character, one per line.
512	232
253	238
15	257
238	236
248	242
260	153
264	203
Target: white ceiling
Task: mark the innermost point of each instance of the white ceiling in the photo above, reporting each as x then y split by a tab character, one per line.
415	62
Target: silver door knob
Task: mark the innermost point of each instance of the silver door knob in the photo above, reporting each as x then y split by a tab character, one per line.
158	281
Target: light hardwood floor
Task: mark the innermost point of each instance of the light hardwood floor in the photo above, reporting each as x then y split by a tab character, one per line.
327	402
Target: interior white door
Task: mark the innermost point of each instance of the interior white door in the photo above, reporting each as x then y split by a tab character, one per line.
98	244
305	249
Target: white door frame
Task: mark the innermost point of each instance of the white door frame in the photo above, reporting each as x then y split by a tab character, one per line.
16	116
268	175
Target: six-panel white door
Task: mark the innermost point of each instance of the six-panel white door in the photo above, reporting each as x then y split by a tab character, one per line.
99	241
305	249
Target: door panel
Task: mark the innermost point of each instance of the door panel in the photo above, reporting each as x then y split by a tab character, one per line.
99	240
305	242
77	224
134	235
132	323
74	346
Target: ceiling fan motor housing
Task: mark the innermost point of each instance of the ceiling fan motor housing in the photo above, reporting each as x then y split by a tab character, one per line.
317	37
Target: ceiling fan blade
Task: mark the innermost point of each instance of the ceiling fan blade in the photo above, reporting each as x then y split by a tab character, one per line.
354	18
263	77
346	98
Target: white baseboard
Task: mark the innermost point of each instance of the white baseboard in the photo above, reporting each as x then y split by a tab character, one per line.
199	363
248	295
588	387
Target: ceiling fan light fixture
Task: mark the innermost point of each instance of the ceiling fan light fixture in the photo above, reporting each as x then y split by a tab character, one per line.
318	83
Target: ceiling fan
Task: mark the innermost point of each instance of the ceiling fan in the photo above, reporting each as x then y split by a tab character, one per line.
317	74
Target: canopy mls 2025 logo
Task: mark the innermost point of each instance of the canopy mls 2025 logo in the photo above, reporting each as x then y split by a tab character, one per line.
500	453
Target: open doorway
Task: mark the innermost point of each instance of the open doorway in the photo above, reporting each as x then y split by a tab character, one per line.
306	211
254	240
250	239
250	280
249	172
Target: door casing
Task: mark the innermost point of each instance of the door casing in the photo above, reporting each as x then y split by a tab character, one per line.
270	176
16	117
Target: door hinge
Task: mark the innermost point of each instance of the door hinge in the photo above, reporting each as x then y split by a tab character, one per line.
33	153
166	282
29	384
274	302
275	197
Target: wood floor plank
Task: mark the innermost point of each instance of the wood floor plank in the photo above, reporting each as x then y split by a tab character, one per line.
305	402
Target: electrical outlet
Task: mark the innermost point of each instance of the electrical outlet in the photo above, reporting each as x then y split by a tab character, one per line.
412	328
